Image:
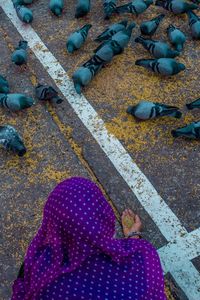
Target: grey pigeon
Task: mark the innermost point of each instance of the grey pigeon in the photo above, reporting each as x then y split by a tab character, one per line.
191	131
15	102
194	23
77	38
123	37
24	13
20	55
115	45
111	30
45	92
56	6
150	27
136	7
82	8
85	74
162	66
176	6
109	7
146	110
157	48
176	36
11	140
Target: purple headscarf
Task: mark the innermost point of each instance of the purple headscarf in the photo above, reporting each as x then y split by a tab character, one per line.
78	223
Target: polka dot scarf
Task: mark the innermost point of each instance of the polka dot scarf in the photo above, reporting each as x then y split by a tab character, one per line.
78	229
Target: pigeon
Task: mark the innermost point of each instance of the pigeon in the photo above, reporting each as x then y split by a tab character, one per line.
105	53
123	37
176	6
157	48
77	38
146	110
11	140
44	92
84	74
115	45
111	30
56	6
194	104
109	7
191	131
4	86
176	36
24	13
19	56
150	27
15	102
136	7
82	8
162	66
194	23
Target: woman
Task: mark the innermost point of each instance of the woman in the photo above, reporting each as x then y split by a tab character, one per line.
76	256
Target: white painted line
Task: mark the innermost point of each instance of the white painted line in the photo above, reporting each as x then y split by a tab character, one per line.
184	248
162	215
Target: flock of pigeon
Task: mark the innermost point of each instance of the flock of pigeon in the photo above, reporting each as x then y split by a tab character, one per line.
112	41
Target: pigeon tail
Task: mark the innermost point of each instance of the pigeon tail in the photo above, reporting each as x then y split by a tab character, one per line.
122	9
143	62
189	106
159	17
194	104
140	40
87	27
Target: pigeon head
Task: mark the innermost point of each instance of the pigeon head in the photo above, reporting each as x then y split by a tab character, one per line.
28	102
70	48
58	11
28	18
181	67
17	146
